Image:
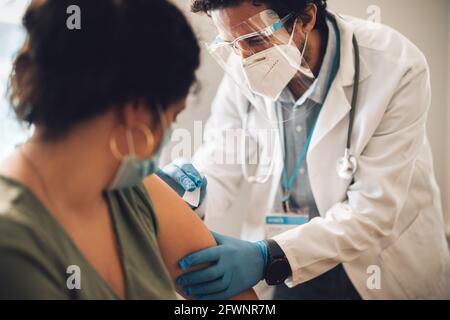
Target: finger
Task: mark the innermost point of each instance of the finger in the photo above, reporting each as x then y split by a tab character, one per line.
197	277
219	238
181	178
209	255
191	172
213	287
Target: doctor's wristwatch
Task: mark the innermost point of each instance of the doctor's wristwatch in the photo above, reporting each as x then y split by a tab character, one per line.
278	268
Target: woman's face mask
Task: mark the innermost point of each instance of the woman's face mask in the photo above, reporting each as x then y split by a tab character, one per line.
133	170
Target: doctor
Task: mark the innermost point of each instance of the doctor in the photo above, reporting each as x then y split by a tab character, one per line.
344	193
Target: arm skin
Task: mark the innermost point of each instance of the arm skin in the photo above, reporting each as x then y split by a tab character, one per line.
181	232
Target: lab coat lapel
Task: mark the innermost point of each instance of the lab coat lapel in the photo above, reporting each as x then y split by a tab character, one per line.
327	145
336	105
330	136
335	108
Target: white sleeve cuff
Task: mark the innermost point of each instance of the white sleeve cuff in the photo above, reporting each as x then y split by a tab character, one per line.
295	278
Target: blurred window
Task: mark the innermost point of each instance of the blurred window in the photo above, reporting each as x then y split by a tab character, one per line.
12	37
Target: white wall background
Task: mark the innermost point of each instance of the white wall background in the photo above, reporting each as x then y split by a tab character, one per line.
447	134
426	23
11	39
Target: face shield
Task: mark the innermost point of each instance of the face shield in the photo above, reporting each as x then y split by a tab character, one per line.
262	58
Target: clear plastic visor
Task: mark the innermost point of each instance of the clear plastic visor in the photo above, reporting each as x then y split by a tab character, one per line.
265	60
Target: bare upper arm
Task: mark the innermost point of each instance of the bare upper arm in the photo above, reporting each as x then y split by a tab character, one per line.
181	232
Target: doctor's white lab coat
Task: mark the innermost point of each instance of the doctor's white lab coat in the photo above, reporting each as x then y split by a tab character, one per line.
389	222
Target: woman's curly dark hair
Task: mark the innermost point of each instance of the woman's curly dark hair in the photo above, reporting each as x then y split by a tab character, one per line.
282	7
126	51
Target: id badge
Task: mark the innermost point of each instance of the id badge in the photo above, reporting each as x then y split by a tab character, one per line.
277	223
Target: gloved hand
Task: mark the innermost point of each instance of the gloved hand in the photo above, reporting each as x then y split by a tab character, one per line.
237	265
181	176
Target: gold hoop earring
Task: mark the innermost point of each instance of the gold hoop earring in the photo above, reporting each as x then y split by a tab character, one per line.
149	141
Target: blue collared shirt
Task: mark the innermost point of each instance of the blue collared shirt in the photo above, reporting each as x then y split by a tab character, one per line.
299	118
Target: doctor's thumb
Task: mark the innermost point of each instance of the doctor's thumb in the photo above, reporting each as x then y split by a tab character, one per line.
218	237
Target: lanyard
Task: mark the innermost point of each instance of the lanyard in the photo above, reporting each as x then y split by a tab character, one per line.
288	182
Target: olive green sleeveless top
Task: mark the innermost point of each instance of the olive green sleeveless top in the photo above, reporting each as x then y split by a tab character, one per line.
38	260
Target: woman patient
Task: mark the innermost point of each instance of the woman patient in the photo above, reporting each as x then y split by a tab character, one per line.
77	218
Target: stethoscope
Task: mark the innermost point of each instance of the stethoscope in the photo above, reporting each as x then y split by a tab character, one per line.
346	166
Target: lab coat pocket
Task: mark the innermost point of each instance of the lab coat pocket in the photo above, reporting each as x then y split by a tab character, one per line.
414	260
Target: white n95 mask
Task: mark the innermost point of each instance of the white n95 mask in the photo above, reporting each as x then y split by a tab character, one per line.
268	72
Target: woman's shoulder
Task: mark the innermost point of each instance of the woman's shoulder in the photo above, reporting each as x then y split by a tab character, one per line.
22	225
17	208
13	213
25	248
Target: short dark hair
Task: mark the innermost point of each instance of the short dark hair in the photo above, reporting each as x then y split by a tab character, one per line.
282	7
127	51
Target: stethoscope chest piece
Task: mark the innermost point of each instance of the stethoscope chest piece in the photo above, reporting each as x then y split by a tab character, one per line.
346	166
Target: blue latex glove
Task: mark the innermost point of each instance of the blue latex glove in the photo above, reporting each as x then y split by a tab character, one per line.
237	265
181	176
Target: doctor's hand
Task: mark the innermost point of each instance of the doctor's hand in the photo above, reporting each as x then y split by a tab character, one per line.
181	176
236	266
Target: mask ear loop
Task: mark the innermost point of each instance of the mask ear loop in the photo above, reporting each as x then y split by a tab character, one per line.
130	142
162	117
306	44
165	127
291	39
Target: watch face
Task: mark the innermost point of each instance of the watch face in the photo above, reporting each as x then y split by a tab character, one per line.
277	272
